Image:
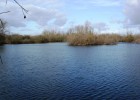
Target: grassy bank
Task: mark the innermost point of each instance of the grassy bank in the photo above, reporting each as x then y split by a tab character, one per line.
45	37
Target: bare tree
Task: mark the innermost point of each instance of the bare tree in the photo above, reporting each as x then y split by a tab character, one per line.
3	23
2	31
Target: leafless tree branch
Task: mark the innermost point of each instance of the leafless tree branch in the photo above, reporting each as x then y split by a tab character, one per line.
4	12
23	9
21	6
6	2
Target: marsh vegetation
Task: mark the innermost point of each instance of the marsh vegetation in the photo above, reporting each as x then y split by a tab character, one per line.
80	35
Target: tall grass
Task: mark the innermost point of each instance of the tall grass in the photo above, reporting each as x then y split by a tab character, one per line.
18	39
45	37
107	39
81	39
54	36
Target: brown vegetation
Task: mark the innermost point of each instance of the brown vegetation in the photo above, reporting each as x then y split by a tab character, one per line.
74	39
137	38
80	35
45	37
84	35
128	38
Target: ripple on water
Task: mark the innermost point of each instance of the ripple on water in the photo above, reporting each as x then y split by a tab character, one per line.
60	72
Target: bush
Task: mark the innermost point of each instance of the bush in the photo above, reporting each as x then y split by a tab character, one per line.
16	39
38	39
2	39
129	38
54	36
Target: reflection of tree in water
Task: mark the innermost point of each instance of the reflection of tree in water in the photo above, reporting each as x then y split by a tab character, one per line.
1	60
1	52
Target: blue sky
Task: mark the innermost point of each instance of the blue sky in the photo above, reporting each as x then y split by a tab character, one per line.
105	15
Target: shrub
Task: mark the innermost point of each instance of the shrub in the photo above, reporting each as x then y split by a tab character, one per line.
54	36
38	39
15	39
129	38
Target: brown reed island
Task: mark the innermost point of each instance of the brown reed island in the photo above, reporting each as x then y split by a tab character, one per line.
83	35
83	39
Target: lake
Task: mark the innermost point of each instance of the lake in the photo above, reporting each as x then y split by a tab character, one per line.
56	71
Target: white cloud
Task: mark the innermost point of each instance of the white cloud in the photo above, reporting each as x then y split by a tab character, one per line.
43	16
105	2
60	20
38	13
99	3
131	11
101	26
53	4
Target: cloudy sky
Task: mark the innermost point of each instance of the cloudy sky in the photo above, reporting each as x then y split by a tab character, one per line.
105	15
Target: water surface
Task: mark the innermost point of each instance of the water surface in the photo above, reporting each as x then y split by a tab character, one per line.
56	71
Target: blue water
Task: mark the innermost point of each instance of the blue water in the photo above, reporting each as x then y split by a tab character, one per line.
56	71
